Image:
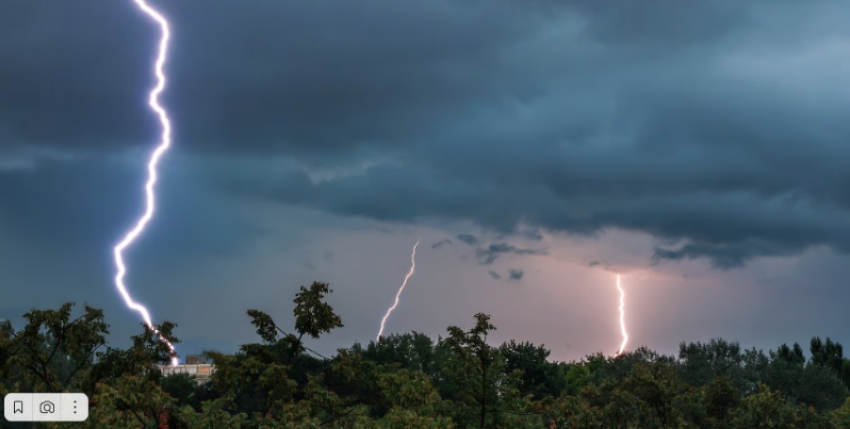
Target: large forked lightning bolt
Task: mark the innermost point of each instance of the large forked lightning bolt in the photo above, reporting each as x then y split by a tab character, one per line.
153	102
406	278
622	315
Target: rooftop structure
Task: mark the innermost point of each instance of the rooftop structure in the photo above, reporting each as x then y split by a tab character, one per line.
194	366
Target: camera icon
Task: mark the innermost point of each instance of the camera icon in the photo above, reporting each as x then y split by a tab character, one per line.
47	407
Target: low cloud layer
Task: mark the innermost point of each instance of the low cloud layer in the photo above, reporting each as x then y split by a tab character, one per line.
488	255
441	243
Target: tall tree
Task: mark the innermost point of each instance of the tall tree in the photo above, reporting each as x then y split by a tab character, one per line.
539	376
485	395
829	354
53	351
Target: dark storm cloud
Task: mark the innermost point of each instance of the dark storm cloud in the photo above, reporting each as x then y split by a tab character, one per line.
715	125
85	205
468	239
533	235
494	275
489	254
71	79
269	76
514	274
661	22
655	260
726	256
441	243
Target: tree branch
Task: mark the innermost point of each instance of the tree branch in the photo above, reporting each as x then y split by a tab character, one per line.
305	348
83	361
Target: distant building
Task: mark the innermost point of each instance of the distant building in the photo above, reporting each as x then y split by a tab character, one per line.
194	366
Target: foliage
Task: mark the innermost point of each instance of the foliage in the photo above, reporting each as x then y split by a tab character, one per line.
413	381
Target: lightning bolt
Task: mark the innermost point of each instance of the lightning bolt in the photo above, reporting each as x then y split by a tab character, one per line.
165	143
397	295
622	315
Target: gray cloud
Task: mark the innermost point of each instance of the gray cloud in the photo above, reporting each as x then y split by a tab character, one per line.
468	239
533	234
514	274
101	197
606	266
441	243
494	275
726	256
489	254
292	67
718	125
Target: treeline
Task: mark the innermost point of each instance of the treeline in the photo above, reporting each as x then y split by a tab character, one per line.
413	381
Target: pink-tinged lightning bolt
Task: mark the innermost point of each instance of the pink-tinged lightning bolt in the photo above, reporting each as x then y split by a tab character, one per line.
622	317
406	278
153	102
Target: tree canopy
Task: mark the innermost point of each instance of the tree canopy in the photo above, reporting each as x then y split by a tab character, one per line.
459	380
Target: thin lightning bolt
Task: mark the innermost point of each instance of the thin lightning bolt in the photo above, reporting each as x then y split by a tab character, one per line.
153	102
406	278
622	314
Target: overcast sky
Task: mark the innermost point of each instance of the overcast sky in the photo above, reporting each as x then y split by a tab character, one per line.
700	149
